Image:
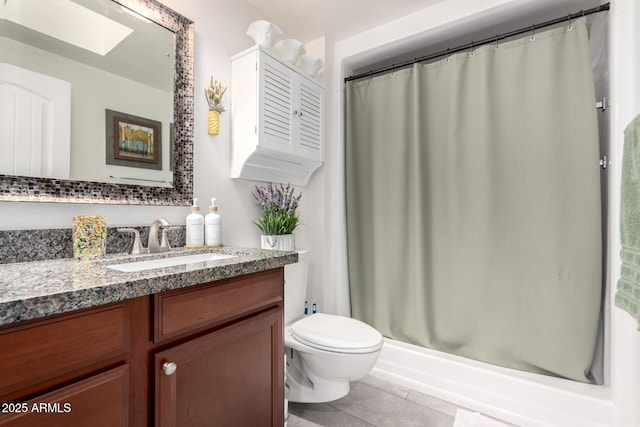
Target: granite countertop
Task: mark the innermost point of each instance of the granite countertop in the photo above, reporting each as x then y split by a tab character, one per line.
31	290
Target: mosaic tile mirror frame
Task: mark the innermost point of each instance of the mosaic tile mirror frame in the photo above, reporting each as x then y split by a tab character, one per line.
21	188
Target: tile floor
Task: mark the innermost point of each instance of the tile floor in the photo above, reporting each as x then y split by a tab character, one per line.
375	402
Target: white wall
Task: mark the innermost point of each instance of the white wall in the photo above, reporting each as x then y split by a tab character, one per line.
220	33
220	28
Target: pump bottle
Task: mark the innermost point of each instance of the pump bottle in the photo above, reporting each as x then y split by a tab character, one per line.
213	226
195	226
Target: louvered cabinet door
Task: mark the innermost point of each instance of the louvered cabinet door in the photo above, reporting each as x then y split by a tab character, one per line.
276	108
308	138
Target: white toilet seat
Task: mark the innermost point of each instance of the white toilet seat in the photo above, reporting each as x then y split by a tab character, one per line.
336	334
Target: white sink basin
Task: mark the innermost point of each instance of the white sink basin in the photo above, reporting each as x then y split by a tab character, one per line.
168	262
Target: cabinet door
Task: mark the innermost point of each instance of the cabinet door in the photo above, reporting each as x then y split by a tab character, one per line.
230	377
275	105
309	121
99	401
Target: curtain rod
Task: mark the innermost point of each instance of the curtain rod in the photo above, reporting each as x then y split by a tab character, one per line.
473	45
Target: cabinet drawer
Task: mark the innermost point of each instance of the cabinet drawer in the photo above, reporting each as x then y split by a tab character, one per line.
185	310
101	400
40	351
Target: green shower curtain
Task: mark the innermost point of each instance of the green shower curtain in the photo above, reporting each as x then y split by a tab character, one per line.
473	204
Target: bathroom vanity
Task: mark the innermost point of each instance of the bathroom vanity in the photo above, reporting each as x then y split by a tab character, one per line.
198	344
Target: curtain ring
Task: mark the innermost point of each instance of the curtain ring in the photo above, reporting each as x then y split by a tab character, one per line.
570	23
393	73
447	54
533	33
370	77
497	44
473	52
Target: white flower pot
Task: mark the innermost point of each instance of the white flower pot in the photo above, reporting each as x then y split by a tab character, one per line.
285	242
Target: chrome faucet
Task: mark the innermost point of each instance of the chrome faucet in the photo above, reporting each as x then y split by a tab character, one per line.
153	246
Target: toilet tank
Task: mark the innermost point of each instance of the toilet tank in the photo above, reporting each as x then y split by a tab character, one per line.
295	287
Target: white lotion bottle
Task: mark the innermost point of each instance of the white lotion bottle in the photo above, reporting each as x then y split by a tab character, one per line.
195	226
213	226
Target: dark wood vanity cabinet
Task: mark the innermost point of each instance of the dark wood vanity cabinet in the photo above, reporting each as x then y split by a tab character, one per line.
231	376
206	355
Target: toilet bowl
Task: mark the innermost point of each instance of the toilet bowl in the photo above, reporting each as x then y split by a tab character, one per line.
324	352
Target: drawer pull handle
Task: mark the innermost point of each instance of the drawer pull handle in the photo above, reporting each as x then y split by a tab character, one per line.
169	368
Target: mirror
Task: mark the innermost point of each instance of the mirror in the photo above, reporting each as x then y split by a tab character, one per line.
112	116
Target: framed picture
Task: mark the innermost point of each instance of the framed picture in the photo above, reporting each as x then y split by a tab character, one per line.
133	141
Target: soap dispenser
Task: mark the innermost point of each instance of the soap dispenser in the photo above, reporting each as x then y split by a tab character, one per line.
213	226
195	226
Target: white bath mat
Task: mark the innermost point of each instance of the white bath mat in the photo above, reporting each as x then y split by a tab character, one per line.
466	418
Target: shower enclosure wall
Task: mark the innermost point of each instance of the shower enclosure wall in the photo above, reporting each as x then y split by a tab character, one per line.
520	397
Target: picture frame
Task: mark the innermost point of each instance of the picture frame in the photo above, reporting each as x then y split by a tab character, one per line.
133	141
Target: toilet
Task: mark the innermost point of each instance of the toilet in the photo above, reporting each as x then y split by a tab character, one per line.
324	352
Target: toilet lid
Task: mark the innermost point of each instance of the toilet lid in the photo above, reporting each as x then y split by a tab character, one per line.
336	333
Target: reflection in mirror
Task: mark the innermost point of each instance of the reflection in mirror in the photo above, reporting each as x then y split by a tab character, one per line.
95	91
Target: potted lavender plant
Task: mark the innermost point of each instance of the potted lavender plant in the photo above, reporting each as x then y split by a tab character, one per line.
279	218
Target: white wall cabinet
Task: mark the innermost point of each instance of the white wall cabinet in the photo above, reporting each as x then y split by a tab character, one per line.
277	120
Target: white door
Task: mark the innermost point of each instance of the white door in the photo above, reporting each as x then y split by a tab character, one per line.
35	123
